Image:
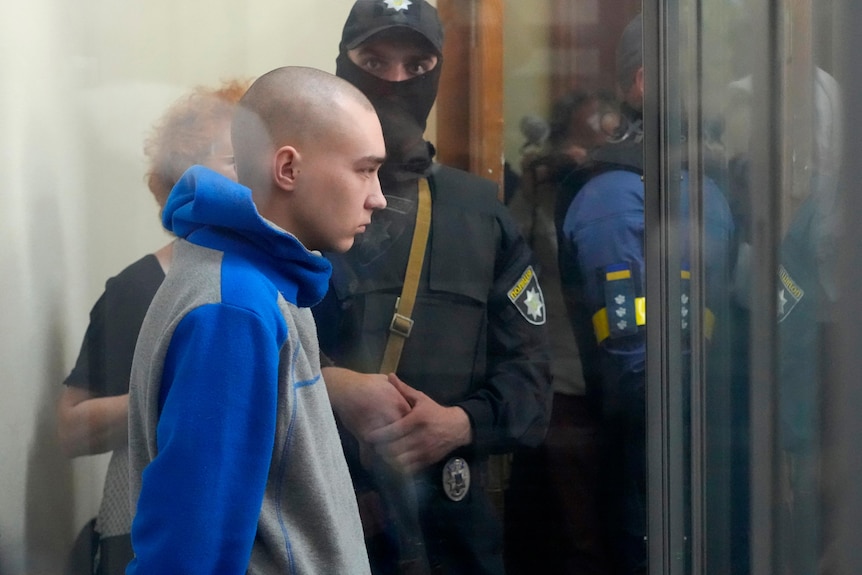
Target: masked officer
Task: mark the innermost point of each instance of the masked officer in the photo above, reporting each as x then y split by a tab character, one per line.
441	293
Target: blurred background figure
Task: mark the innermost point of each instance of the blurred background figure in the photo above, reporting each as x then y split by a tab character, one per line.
92	414
551	153
603	268
580	122
807	297
551	507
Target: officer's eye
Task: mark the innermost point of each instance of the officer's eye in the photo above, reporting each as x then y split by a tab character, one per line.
419	67
372	63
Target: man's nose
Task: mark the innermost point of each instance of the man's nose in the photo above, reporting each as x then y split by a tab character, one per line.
396	73
376	201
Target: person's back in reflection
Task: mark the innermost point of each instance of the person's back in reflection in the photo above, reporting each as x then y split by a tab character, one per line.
806	300
603	275
235	461
93	408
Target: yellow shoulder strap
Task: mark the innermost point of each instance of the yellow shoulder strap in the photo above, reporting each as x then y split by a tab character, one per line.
402	325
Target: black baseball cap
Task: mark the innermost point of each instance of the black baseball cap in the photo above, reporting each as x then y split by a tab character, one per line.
368	17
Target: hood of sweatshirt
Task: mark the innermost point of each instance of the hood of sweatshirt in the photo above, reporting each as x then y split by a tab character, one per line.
210	210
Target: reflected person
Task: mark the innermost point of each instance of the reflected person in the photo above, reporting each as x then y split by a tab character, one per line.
806	302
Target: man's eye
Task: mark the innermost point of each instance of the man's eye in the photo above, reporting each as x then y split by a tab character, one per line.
420	67
372	64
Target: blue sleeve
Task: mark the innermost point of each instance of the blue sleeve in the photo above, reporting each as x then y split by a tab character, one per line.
201	495
603	227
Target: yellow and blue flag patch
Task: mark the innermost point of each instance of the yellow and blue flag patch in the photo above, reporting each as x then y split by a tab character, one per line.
620	300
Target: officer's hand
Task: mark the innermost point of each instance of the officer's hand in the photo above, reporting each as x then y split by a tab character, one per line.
425	435
364	401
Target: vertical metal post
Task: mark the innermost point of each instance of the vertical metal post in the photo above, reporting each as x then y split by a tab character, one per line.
692	69
662	161
766	155
658	530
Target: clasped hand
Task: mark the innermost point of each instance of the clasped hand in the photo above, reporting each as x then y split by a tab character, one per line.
405	427
424	435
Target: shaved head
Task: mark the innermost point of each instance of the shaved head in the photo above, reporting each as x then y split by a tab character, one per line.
309	145
291	105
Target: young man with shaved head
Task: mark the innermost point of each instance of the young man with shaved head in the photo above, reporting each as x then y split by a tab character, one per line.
236	465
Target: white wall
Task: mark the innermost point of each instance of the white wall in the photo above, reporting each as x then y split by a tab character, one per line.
81	84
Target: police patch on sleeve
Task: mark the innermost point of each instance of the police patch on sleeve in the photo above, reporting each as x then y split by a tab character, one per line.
789	294
527	296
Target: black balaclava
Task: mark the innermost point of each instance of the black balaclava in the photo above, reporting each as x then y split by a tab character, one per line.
402	107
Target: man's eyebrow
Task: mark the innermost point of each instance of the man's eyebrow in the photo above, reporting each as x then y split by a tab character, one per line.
372	159
369	49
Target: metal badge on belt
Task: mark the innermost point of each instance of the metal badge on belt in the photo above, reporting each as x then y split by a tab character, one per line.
456	479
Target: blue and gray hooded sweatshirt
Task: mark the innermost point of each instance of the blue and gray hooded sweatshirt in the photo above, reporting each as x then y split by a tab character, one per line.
235	460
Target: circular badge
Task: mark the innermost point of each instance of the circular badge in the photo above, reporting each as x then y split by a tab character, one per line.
456	479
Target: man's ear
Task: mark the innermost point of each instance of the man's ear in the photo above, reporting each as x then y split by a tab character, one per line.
285	167
639	81
634	96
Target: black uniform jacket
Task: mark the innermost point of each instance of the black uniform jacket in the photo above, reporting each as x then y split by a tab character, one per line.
470	345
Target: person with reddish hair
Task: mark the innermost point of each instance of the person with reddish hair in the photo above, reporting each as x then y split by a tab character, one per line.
195	130
92	413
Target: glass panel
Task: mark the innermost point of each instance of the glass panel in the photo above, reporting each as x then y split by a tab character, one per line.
734	448
764	134
841	456
589	514
719	402
813	120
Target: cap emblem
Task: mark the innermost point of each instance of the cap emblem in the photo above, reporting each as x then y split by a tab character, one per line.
399	5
